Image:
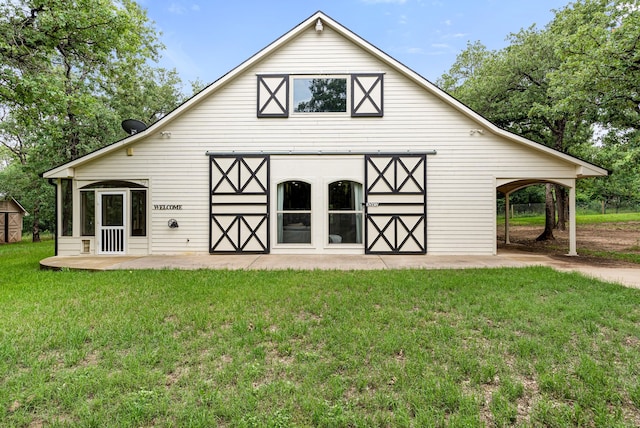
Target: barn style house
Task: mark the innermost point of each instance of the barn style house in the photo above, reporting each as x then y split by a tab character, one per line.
318	144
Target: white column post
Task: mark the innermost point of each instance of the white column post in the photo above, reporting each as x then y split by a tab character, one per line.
572	220
506	217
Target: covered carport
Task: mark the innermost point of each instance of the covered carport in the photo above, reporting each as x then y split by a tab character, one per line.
509	186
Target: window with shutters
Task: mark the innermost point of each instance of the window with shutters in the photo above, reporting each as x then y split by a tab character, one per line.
319	94
360	95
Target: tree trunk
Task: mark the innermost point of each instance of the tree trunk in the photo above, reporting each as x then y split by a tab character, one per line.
561	200
550	216
36	222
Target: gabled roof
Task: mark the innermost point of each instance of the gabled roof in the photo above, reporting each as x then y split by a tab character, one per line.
4	197
584	168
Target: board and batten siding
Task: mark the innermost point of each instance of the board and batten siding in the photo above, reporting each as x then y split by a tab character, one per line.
461	178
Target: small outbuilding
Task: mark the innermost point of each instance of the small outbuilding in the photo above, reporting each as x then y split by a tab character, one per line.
318	144
11	215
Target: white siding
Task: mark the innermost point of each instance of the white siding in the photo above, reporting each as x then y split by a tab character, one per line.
68	245
460	178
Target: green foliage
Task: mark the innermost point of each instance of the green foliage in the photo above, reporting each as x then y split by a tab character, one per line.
70	72
621	155
598	41
327	95
572	85
477	347
511	88
22	183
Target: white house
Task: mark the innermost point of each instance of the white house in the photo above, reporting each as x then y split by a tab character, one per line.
319	143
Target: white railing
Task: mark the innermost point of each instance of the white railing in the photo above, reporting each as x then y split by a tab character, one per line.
112	240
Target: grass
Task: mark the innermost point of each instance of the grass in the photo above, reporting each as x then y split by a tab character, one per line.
492	347
631	255
538	220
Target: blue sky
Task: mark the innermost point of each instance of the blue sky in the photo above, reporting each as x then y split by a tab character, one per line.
206	38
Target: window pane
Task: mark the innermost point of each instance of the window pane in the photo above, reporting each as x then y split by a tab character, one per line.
296	196
294	216
87	213
320	95
67	207
138	213
296	228
345	195
112	206
345	228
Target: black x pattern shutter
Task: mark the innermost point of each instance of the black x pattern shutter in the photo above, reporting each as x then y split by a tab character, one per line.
395	204
367	95
239	204
273	95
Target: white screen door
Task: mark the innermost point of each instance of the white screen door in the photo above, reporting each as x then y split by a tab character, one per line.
111	224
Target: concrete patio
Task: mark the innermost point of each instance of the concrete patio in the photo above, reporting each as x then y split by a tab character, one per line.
628	276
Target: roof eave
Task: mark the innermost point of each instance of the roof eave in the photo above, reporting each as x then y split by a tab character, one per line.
584	169
59	171
587	168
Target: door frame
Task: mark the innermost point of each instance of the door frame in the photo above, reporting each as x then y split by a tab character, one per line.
120	247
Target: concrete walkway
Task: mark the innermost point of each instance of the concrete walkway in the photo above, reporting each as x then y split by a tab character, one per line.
628	276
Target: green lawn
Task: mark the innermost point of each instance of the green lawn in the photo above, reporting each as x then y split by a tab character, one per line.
580	219
631	255
527	347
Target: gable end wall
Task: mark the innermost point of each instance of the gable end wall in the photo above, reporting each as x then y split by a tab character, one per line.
461	177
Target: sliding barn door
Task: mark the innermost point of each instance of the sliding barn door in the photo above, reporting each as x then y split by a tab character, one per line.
14	227
395	204
239	204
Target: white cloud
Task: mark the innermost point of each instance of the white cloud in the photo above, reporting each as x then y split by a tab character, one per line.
180	9
414	51
177	57
454	36
448	22
177	9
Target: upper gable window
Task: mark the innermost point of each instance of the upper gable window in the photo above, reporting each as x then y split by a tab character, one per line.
320	94
360	95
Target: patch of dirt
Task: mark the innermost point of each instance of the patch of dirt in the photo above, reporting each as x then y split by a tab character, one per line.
619	237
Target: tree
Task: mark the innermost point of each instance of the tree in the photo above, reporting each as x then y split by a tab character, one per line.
70	71
468	66
620	153
327	95
511	87
599	42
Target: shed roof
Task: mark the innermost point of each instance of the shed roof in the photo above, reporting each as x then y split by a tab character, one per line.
4	197
583	168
